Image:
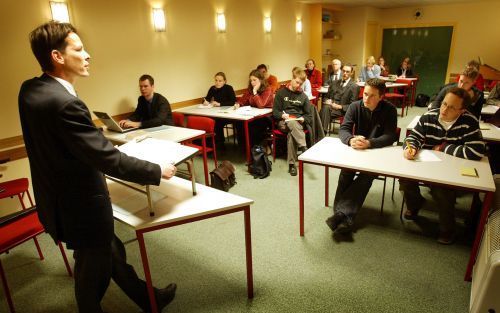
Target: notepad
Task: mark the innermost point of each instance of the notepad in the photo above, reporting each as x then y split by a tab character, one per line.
469	171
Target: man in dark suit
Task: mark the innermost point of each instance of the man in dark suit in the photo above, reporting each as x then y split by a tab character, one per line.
68	156
152	108
336	73
340	95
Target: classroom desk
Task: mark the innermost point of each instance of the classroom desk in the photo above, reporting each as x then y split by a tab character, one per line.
491	134
389	161
175	205
227	113
489	109
164	132
387	84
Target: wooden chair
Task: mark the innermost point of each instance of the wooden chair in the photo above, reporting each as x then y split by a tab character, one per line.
208	125
16	229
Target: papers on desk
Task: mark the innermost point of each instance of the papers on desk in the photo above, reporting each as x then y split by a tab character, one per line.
246	110
300	119
425	155
154	150
227	109
483	125
205	106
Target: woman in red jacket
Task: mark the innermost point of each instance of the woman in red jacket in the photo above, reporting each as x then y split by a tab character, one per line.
314	75
259	95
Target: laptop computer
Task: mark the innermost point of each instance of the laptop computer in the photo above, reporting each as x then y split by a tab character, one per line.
111	124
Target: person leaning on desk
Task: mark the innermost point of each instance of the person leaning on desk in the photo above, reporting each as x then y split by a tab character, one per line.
152	109
450	129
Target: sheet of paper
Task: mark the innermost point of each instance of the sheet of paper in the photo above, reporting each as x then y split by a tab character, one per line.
246	110
202	106
153	150
427	156
483	125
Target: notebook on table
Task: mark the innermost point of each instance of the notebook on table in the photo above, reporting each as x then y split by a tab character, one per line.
111	124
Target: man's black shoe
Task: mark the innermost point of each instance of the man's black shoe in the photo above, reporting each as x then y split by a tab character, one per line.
292	170
334	220
345	227
165	296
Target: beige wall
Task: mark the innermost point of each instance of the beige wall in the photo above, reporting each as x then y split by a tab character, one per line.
475	33
123	45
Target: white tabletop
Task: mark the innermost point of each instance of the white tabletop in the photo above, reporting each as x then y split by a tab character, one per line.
172	133
489	131
389	161
387	84
489	109
173	201
407	78
225	112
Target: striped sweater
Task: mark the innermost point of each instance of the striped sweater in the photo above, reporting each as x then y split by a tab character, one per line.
462	140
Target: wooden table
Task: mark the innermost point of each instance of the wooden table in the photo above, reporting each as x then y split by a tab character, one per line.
175	205
389	161
227	113
164	132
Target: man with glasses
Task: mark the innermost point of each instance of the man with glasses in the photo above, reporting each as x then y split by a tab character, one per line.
450	129
342	93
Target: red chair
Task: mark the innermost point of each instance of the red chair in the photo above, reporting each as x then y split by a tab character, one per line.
16	187
361	90
277	134
400	97
208	125
16	229
178	119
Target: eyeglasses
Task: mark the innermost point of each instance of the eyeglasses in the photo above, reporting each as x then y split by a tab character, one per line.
344	71
451	108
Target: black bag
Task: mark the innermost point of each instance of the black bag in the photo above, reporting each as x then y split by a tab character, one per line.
223	177
422	100
261	166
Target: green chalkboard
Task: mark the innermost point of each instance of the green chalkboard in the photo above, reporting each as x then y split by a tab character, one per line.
428	49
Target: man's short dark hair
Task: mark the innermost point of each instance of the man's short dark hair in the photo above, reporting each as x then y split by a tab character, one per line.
147	77
462	94
378	84
262	67
48	37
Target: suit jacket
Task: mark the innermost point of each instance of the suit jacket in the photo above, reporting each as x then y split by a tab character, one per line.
331	79
68	156
343	95
152	114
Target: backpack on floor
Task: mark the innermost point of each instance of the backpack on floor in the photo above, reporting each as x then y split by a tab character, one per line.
261	167
422	100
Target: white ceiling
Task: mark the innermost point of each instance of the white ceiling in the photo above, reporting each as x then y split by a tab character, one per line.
384	4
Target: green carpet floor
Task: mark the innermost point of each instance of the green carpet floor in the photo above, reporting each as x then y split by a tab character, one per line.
386	266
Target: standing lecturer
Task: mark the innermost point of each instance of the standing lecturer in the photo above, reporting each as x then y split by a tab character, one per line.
68	156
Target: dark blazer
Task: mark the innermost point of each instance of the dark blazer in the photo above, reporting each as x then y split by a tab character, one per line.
153	114
68	156
343	95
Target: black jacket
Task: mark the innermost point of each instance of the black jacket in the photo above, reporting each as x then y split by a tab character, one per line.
379	125
152	114
224	95
293	103
68	156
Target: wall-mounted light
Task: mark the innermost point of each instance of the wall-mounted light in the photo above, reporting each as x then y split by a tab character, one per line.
298	26
267	24
159	19
221	23
59	11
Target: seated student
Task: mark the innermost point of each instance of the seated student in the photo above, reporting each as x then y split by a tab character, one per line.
290	102
452	130
370	70
374	120
340	95
384	68
336	73
272	81
259	95
466	82
314	75
480	79
220	94
306	86
152	109
405	69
